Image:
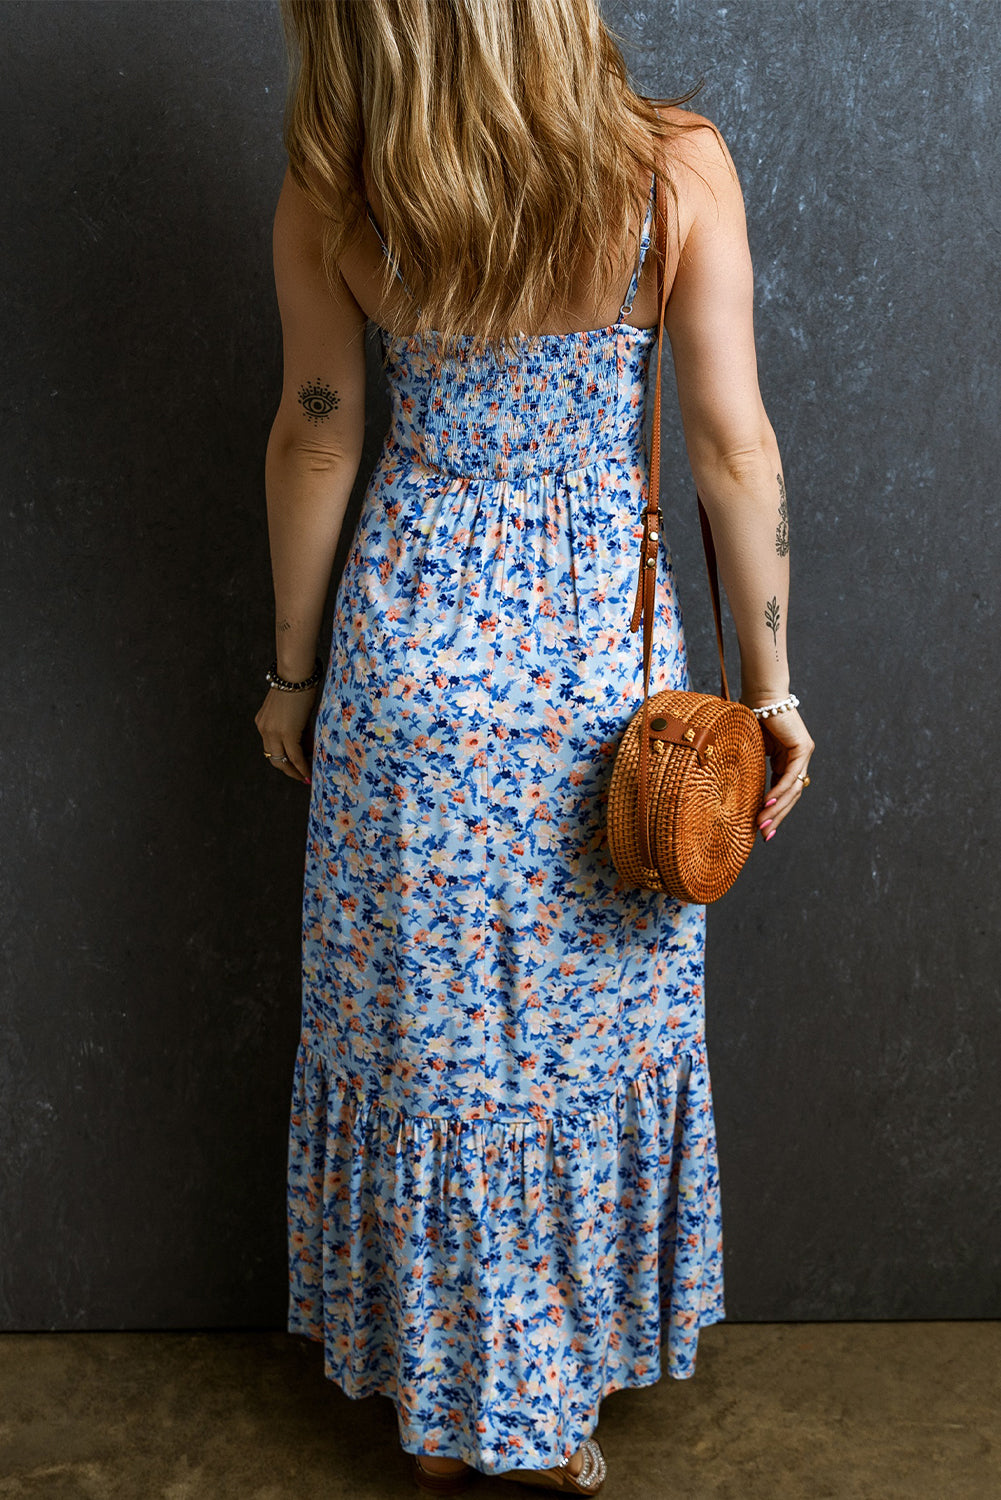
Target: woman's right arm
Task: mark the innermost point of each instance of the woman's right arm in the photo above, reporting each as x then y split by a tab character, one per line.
731	446
312	459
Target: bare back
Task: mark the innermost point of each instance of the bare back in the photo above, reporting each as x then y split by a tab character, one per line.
361	266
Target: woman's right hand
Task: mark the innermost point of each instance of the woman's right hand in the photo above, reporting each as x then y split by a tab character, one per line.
789	747
284	720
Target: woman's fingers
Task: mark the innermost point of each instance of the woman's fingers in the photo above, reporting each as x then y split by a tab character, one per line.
282	740
288	759
783	795
275	751
789	747
298	764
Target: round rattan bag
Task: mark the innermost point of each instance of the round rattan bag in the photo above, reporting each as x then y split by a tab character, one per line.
705	781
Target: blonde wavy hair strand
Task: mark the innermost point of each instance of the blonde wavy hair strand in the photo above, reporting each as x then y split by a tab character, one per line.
504	139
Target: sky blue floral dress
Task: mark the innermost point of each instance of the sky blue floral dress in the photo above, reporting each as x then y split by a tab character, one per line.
503	1195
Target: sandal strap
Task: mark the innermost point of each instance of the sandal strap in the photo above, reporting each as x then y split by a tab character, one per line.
587	1481
593	1468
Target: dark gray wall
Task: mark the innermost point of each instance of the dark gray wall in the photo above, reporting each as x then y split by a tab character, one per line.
152	864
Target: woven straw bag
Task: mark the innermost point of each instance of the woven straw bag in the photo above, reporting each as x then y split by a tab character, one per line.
689	774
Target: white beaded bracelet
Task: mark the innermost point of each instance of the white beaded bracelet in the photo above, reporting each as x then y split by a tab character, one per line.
777	708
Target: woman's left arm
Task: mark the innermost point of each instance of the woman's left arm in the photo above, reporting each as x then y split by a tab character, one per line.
312	459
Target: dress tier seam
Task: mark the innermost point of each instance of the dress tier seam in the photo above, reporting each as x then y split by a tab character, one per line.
694	1055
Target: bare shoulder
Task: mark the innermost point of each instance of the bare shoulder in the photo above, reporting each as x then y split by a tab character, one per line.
297	220
700	165
697	142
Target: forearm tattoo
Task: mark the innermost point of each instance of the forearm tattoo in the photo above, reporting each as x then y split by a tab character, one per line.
318	400
782	530
284	625
772	621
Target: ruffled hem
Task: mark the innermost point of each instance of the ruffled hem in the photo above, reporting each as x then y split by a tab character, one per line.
497	1279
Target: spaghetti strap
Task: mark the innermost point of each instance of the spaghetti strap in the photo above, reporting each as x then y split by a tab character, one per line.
627	305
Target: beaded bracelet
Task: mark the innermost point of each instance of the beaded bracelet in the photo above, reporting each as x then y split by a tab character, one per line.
273	680
776	708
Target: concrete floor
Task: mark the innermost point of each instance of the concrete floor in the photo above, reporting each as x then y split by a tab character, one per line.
884	1411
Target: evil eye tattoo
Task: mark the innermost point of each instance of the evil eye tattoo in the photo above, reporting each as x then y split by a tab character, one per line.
318	400
782	530
772	621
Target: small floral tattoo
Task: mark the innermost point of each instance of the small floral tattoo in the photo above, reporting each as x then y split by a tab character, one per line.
772	621
782	530
318	400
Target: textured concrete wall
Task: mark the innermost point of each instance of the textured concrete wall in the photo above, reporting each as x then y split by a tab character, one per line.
152	866
852	983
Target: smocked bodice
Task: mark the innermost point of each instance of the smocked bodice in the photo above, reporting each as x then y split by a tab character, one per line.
565	402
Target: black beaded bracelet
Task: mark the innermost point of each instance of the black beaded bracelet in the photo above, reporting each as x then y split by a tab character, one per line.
273	680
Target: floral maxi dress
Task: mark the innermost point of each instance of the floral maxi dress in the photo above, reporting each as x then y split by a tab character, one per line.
503	1194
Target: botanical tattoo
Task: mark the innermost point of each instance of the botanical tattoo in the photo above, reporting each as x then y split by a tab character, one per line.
317	400
782	530
772	621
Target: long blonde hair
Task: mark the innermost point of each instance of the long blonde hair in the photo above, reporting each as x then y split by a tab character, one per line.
503	137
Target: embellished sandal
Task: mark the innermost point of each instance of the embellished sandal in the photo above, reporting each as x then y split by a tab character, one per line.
442	1484
587	1481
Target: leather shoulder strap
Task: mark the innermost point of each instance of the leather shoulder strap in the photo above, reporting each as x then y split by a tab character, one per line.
643	606
646	583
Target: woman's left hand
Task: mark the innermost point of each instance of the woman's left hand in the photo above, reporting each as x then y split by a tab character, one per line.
282	720
788	746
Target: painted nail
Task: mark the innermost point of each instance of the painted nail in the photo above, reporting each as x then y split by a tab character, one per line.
771	835
774	799
765	823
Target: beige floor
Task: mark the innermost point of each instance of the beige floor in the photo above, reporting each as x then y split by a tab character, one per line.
885	1411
